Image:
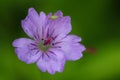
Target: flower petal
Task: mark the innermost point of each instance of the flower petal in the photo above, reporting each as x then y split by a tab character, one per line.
59	13
60	27
72	38
72	49
25	51
33	23
49	15
63	25
73	52
21	42
52	61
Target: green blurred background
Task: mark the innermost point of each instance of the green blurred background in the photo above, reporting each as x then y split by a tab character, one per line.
96	21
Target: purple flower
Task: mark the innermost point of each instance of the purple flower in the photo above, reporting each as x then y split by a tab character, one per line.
50	45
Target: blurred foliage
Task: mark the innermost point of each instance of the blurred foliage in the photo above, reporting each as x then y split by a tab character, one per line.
96	21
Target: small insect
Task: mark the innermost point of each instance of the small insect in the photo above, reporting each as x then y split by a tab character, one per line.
48	41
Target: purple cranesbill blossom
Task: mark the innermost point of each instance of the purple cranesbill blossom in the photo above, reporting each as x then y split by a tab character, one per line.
50	44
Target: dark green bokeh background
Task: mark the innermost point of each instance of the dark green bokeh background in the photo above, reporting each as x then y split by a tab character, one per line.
96	21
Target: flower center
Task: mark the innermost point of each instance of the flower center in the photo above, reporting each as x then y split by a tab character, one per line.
44	45
53	17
